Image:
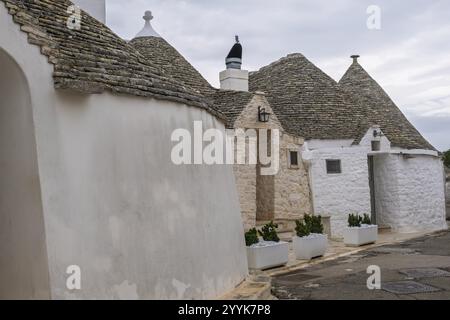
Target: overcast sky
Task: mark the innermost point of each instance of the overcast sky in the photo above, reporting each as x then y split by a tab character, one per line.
409	56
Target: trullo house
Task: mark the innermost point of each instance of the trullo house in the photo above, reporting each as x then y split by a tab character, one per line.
87	183
87	180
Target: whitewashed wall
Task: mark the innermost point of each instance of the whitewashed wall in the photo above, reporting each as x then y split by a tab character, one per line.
447	188
338	195
410	192
138	226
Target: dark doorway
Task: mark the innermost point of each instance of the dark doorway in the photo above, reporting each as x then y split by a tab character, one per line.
373	213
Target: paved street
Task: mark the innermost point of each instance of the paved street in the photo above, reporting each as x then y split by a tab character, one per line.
415	269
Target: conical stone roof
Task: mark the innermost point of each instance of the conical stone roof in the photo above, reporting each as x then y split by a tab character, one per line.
379	109
308	102
171	62
93	59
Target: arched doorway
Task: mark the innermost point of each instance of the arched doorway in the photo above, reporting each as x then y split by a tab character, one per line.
24	270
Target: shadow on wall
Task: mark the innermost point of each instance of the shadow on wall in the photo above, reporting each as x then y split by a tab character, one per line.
23	255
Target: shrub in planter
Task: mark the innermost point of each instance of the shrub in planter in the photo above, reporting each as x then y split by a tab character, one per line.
366	220
251	237
360	231
310	241
269	232
268	253
354	220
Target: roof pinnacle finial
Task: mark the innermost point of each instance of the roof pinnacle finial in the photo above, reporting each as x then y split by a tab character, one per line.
355	58
148	16
148	30
237	38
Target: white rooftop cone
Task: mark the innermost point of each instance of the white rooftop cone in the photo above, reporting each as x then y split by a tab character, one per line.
148	30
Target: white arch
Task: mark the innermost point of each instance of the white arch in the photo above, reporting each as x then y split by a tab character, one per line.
24	270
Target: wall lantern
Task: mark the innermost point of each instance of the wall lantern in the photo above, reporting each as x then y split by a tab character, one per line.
377	133
263	116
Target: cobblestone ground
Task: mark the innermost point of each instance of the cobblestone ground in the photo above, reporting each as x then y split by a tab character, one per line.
415	269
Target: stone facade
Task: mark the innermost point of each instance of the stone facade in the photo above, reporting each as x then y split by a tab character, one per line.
292	190
280	197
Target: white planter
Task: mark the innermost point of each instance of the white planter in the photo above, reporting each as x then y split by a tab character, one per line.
359	236
265	255
312	246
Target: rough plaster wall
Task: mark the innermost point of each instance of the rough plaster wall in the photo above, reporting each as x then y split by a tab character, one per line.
23	255
447	188
338	195
138	226
410	193
387	198
158	226
292	190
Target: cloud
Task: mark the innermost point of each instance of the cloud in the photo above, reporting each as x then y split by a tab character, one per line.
409	56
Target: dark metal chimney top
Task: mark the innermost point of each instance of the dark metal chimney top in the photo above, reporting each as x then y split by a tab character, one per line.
355	58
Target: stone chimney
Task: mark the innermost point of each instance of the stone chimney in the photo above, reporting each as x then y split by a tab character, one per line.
234	78
96	8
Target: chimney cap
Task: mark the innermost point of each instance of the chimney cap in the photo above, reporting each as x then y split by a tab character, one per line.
234	58
355	57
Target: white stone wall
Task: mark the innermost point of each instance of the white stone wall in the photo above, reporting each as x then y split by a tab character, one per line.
447	188
23	251
410	192
387	198
338	195
138	226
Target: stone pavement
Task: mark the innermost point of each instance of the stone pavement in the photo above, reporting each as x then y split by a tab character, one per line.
413	269
337	249
258	284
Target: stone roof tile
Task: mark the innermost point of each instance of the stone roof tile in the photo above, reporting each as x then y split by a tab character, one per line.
94	59
308	102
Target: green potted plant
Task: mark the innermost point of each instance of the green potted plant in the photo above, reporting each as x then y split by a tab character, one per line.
360	231
310	242
268	253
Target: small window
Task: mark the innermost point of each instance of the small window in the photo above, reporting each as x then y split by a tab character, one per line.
376	146
293	158
333	166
